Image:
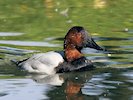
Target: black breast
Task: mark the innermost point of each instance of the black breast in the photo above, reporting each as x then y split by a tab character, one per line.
80	64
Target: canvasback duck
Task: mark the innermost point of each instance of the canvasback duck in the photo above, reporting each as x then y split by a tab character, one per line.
70	59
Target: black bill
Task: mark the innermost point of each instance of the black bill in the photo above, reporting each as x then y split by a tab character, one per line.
92	44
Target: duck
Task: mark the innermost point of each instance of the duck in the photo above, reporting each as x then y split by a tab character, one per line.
68	60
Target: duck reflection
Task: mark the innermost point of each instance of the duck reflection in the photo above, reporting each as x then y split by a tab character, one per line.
74	86
70	83
74	83
72	90
54	80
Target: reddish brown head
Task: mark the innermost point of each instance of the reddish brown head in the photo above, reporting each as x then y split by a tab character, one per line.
77	38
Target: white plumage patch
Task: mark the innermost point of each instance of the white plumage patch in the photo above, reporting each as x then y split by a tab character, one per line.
43	63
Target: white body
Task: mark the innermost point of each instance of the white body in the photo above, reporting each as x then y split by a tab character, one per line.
42	63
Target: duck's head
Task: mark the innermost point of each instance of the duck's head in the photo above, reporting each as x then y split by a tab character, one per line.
76	39
80	38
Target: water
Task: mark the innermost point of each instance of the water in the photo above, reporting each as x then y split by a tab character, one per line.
29	27
103	84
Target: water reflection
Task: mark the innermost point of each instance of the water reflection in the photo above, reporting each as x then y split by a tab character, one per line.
55	79
72	90
49	6
108	83
99	84
100	4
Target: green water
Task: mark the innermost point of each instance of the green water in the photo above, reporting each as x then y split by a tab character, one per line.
32	26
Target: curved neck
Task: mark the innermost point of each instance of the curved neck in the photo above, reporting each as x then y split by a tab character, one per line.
71	53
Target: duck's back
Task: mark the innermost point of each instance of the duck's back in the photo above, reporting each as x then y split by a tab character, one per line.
42	62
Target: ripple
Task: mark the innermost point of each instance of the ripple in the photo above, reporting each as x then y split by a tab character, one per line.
20	89
127	46
112	38
3	94
28	43
132	97
131	88
10	34
106	86
130	81
16	50
91	51
92	90
128	74
112	82
103	98
95	87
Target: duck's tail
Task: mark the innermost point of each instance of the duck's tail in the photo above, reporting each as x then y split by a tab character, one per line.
17	63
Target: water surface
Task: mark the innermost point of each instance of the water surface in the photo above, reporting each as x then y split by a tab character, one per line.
29	27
